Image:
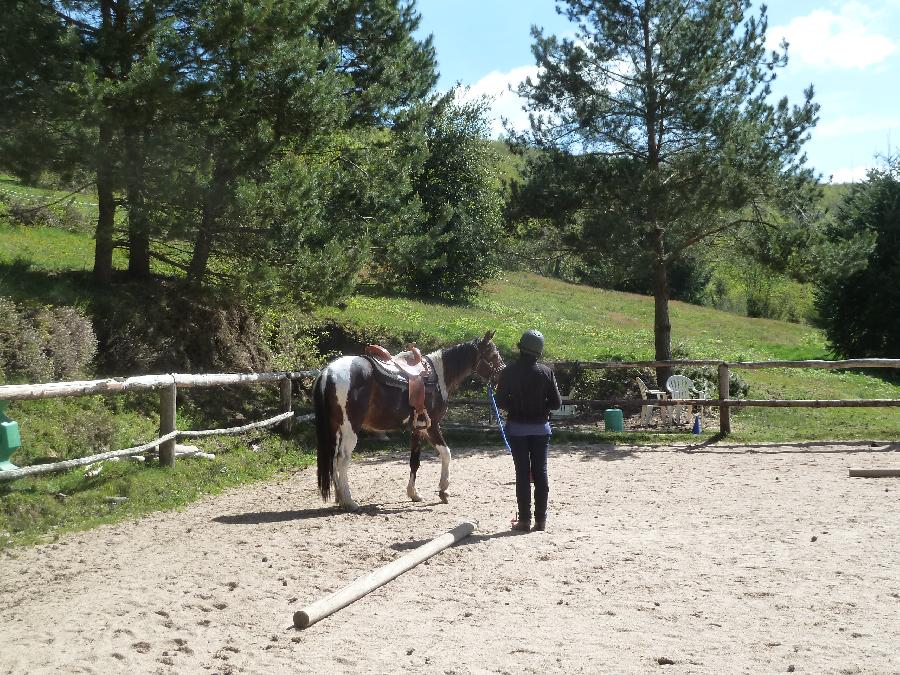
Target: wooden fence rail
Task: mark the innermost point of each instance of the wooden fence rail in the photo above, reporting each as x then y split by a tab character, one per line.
168	386
724	402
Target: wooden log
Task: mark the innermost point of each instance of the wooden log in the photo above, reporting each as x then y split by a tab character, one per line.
724	410
223	379
731	403
236	430
816	403
36	469
612	365
848	363
875	473
286	388
168	414
366	584
115	385
119	385
829	365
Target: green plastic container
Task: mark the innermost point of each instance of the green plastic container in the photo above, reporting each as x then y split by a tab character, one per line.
10	440
613	419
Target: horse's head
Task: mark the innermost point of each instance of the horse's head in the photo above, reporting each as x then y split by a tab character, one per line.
489	362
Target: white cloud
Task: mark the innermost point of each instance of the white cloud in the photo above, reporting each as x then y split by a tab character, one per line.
850	125
845	41
504	103
849	174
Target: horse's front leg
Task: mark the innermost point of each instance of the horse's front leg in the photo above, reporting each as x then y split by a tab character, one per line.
437	440
414	452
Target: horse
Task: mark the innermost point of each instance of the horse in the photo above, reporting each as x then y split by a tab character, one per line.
348	396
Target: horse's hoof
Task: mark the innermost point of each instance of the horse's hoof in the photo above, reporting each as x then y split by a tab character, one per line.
350	506
443	496
415	497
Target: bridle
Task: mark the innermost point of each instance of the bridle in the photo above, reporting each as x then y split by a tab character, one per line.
494	368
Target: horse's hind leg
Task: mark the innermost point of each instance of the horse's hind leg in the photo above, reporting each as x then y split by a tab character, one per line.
414	452
437	440
346	442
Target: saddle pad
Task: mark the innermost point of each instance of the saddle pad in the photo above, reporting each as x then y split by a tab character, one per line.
388	373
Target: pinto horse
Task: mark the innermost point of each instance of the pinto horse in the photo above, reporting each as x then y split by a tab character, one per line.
349	396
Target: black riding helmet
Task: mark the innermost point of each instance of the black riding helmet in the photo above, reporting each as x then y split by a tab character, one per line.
532	342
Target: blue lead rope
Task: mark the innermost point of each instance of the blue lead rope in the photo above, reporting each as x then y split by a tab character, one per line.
490	390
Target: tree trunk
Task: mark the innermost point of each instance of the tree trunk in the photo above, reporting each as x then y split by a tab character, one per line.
202	249
106	203
662	327
138	223
203	242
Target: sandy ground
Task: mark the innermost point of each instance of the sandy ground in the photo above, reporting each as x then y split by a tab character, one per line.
720	560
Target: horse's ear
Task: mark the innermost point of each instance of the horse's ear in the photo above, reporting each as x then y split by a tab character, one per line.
489	336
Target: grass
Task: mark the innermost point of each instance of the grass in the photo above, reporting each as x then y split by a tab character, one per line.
582	323
39	509
52	266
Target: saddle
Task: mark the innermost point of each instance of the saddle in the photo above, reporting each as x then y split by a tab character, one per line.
408	370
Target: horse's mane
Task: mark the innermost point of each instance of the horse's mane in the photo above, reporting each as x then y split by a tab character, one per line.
459	360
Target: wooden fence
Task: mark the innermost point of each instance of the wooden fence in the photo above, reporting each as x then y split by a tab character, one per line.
168	386
724	402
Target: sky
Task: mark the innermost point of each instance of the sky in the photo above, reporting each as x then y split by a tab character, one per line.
848	50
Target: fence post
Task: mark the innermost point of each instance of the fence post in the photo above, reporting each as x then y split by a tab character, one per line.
724	410
286	404
167	416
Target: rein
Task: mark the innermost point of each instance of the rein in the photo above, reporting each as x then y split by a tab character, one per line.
490	390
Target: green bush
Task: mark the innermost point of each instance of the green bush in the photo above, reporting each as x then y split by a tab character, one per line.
62	216
749	288
44	343
171	328
859	294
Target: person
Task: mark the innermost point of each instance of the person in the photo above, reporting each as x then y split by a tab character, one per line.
527	390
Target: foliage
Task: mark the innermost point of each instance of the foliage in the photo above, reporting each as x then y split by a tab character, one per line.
59	216
455	243
232	132
746	286
291	340
859	293
175	329
659	133
40	344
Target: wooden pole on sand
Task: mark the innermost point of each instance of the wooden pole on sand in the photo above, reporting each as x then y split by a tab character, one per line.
368	583
875	473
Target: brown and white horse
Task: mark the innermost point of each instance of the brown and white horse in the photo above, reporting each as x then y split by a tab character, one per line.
348	397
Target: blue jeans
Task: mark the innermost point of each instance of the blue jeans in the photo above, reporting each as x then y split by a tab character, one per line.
530	459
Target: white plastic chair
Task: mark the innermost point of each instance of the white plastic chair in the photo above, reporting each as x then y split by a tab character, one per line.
647	410
564	411
680	386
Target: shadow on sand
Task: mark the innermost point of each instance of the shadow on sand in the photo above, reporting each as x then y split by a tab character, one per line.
264	517
468	541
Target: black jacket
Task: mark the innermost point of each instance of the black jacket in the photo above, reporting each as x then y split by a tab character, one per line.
528	391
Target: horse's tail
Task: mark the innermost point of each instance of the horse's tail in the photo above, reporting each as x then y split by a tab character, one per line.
325	437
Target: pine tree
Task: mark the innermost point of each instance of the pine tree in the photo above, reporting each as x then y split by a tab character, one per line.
659	132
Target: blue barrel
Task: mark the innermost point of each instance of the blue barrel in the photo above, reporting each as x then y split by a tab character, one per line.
613	419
